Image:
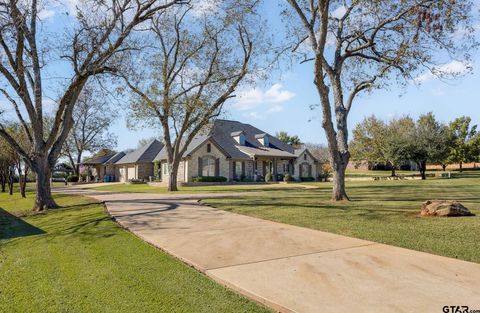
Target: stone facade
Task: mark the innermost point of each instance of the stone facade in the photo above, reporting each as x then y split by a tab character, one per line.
305	166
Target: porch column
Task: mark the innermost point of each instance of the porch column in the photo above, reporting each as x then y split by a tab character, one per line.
274	172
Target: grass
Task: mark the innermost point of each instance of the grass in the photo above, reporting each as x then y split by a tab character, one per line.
76	259
381	211
144	188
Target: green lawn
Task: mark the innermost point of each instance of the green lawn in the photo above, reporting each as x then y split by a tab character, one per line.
76	259
197	189
381	211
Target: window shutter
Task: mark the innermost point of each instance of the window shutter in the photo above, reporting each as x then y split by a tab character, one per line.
234	169
217	167
243	168
200	166
310	170
300	167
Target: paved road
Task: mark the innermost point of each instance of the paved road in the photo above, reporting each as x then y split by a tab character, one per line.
294	269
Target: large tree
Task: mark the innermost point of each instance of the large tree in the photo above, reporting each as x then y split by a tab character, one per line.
464	141
95	43
193	69
92	116
377	141
293	140
428	143
360	45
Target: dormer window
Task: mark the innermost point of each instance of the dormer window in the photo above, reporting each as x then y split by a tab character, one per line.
239	137
305	156
209	148
263	139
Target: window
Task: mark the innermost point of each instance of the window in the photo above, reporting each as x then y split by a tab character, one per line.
165	168
305	156
238	168
208	166
209	148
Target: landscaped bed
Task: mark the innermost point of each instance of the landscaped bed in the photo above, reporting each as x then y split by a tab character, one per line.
381	211
76	259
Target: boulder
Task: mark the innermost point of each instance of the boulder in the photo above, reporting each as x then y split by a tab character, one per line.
444	208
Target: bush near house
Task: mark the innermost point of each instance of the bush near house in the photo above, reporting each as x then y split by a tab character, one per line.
209	179
307	178
72	178
136	181
288	178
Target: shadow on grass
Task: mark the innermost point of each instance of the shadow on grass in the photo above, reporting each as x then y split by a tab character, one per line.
14	227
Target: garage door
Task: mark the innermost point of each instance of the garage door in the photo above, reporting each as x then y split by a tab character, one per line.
131	172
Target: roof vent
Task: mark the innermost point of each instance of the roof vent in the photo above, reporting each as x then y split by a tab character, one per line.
263	139
239	137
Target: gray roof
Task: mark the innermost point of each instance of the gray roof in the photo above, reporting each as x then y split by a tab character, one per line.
115	158
222	133
237	133
99	158
146	153
298	152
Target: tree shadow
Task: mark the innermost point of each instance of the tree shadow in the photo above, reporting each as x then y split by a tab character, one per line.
12	226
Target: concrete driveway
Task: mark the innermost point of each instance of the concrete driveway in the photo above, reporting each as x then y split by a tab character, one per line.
294	269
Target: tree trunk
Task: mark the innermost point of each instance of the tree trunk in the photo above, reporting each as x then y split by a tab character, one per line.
461	167
423	169
393	171
444	166
339	192
172	176
10	181
43	198
172	180
3	180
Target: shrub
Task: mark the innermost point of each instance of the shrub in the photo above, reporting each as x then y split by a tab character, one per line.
156	169
209	179
307	178
288	177
268	177
72	178
247	179
136	181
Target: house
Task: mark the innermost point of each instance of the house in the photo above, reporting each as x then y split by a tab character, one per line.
102	164
240	152
138	164
231	149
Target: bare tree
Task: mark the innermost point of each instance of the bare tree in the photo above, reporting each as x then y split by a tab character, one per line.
361	45
95	44
92	117
192	70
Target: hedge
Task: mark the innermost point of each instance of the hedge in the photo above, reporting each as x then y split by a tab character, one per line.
209	179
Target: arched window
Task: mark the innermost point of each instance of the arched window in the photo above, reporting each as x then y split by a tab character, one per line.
208	166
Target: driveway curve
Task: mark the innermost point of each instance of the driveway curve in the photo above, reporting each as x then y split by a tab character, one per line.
290	268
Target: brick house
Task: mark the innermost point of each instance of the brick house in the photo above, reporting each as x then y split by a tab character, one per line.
234	150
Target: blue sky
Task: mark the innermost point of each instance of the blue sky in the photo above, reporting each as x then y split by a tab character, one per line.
283	102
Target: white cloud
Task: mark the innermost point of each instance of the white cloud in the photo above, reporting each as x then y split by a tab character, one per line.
339	12
252	98
452	69
46	14
203	7
254	115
